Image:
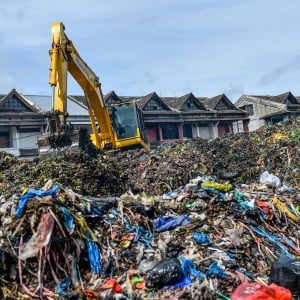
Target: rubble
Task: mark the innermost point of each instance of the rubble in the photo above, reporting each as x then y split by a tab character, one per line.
190	220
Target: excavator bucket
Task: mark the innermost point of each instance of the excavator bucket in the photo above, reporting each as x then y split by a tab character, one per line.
58	141
43	144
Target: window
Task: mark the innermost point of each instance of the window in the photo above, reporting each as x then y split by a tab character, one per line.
29	130
14	104
227	129
4	139
249	108
125	120
153	105
222	106
190	106
170	131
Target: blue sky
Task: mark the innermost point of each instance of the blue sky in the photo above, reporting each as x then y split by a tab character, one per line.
172	47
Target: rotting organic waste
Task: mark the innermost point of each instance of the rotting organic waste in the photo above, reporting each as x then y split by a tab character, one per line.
191	220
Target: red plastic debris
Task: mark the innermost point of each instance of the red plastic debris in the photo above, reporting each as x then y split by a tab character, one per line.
258	291
267	209
90	294
112	284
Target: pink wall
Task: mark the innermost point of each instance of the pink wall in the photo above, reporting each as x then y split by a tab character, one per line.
152	135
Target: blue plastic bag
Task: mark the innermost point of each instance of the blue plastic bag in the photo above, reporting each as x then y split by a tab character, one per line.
32	193
94	256
214	270
63	286
179	284
201	238
168	223
68	219
188	268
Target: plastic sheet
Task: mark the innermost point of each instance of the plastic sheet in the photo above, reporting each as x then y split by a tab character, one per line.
272	238
68	219
181	283
188	268
94	256
286	272
103	203
169	223
40	239
32	193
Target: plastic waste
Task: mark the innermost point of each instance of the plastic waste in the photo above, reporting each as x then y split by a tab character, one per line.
168	223
267	178
283	208
111	284
217	186
40	238
201	238
63	286
234	235
181	283
214	270
32	193
265	209
138	283
166	272
272	238
189	268
258	291
94	256
147	264
68	219
286	272
101	203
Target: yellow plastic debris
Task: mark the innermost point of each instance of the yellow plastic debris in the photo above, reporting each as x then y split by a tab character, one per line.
85	230
218	186
282	207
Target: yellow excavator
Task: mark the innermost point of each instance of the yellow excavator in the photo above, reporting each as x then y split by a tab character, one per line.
120	127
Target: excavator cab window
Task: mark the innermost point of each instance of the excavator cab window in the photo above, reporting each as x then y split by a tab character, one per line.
125	120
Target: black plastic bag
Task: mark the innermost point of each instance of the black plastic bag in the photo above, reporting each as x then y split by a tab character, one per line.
165	272
286	272
103	203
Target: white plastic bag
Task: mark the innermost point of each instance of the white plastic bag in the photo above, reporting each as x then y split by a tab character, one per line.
40	238
272	180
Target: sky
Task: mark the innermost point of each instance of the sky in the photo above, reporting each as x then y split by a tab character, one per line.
171	47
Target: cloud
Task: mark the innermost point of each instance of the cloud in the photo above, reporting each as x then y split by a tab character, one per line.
136	46
281	71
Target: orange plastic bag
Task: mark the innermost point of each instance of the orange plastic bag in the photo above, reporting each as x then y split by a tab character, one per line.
258	291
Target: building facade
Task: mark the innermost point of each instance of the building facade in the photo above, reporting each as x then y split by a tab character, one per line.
269	110
167	119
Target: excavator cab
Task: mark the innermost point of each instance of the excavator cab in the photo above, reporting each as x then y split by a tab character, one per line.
128	126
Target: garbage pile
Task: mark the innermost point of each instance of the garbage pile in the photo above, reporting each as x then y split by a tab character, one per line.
192	220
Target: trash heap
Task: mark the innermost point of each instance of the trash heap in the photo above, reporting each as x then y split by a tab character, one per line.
192	220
